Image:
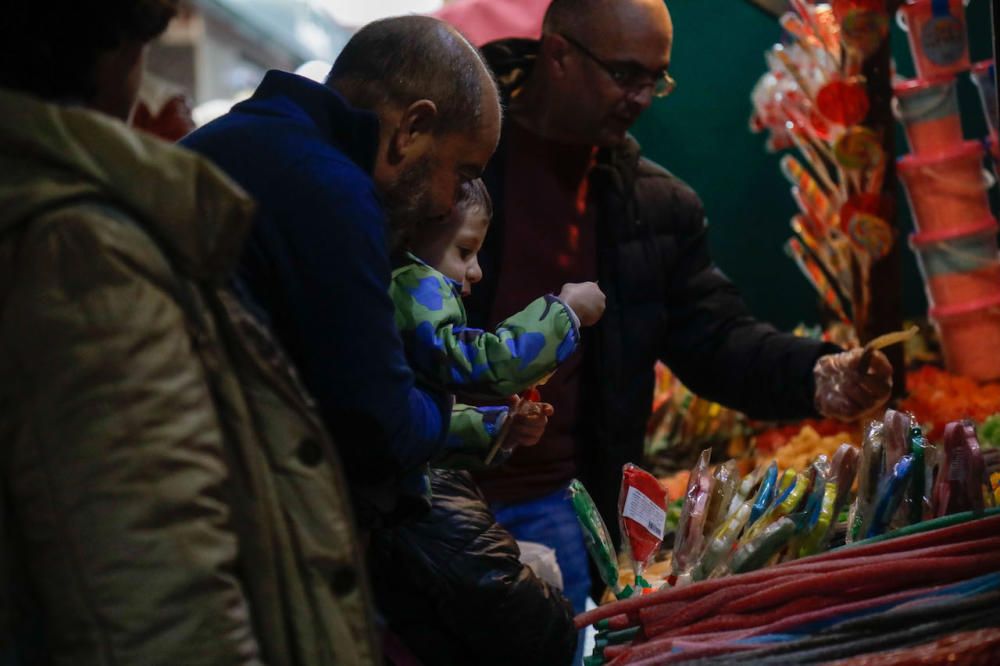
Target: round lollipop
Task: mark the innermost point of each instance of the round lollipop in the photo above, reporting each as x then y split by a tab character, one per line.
864	202
870	233
858	148
843	102
864	24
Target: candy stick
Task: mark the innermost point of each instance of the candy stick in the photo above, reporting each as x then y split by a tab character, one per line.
813	159
504	431
881	342
830	43
828	286
797	174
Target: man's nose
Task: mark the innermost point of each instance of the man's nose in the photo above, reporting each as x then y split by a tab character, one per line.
642	96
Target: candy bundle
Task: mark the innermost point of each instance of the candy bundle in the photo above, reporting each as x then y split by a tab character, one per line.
813	98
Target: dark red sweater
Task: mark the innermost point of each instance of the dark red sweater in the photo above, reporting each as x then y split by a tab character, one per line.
549	240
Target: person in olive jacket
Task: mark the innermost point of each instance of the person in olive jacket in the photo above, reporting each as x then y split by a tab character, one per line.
169	496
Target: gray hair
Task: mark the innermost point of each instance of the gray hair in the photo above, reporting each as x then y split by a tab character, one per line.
400	60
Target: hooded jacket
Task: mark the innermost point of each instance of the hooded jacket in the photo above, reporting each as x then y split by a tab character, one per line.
168	494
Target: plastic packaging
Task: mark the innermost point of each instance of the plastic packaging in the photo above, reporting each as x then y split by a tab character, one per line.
961	472
642	516
897	436
959	264
791	490
746	487
725	480
836	374
869	472
918	497
928	111
937	36
843	469
970	337
765	495
948	188
811	506
720	544
898	427
756	552
819	534
690	530
892	488
595	535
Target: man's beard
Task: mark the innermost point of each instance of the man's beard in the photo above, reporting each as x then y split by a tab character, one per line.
407	202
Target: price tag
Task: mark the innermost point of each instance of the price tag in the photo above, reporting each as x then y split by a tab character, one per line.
645	512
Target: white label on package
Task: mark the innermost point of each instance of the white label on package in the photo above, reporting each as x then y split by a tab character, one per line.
644	511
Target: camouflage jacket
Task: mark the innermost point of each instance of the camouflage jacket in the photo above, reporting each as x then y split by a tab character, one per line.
446	353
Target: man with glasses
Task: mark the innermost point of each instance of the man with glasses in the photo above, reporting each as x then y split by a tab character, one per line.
574	201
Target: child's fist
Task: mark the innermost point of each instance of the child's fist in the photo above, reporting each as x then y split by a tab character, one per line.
529	421
585	299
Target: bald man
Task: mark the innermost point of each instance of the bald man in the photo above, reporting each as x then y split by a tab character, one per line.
575	201
409	112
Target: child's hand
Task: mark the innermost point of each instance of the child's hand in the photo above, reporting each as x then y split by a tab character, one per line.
586	299
529	421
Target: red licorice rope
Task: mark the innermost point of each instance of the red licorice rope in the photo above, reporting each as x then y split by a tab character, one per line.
630	611
888	575
952	535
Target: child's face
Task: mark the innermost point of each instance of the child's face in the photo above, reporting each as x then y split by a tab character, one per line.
452	246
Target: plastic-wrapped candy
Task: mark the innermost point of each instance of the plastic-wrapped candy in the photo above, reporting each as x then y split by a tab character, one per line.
869	473
746	487
791	489
690	531
919	495
898	443
755	552
765	494
595	535
843	469
961	472
811	506
725	481
818	534
720	543
892	488
642	516
897	436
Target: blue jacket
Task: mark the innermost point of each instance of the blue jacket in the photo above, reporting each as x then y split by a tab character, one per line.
317	266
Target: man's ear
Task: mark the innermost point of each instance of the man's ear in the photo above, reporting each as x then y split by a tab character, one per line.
414	131
553	51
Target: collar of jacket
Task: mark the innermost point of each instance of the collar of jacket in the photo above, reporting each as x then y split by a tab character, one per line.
351	130
53	155
455	285
512	61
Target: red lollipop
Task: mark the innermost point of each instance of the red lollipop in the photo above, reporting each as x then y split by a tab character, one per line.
865	202
841	8
842	102
819	124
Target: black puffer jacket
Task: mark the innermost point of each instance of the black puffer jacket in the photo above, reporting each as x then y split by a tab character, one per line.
452	588
666	300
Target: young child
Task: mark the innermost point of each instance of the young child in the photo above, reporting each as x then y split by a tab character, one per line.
438	269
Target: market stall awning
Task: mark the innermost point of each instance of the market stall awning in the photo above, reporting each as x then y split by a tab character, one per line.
484	21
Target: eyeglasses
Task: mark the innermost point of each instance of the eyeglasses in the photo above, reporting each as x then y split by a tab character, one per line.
628	76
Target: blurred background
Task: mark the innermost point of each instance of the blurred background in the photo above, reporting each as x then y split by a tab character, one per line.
216	52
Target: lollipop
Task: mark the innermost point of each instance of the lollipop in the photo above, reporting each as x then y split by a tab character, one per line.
843	102
858	148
